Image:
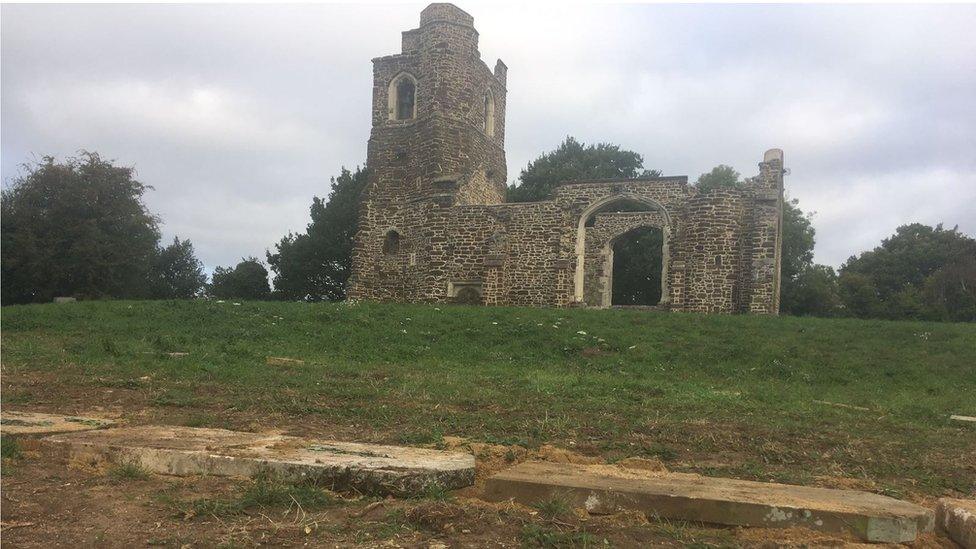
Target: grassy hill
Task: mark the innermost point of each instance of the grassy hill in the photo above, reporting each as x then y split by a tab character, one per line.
784	399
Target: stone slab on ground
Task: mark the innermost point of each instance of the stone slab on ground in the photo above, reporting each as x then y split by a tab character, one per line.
344	466
957	518
602	489
35	423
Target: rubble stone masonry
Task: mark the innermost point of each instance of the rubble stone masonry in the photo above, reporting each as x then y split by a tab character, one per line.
434	225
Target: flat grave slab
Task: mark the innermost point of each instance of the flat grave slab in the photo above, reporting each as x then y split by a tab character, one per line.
344	466
36	423
957	518
603	489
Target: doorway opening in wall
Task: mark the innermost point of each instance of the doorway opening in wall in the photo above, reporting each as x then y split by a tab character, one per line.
638	257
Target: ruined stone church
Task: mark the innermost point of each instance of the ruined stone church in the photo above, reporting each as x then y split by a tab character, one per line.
434	225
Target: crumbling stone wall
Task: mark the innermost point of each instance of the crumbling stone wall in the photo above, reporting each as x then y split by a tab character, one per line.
437	183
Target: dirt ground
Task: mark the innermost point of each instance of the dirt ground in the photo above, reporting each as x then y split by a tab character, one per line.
51	503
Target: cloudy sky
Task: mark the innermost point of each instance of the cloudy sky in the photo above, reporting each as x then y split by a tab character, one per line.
239	114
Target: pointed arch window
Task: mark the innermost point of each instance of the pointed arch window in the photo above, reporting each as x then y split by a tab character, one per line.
489	123
403	97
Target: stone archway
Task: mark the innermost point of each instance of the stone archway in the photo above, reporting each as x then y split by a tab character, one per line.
652	214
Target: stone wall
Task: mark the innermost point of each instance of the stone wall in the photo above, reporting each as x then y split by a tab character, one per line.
437	184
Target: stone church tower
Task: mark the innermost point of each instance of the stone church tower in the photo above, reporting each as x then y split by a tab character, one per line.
437	141
434	225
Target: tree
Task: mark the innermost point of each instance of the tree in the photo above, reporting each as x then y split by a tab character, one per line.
573	160
177	273
248	280
859	295
950	292
637	257
315	265
77	228
721	176
813	291
919	272
806	288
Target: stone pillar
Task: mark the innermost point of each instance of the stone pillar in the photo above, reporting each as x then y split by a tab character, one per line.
767	235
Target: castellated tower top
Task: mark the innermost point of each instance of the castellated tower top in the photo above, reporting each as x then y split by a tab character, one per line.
446	26
445	12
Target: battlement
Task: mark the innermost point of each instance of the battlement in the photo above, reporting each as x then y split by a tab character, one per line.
445	12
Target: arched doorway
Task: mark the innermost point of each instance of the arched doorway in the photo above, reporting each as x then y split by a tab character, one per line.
604	223
636	267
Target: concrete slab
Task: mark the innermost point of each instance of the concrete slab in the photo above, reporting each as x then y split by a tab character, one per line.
957	518
35	423
608	489
343	466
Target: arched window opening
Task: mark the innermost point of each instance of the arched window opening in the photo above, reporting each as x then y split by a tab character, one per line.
391	244
637	267
403	97
489	124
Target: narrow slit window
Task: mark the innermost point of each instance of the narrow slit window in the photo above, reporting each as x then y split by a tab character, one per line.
391	243
406	94
489	124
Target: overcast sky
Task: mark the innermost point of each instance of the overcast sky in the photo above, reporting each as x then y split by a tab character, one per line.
239	114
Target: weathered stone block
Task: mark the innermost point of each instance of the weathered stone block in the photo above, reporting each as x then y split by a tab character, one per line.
366	468
957	518
603	489
36	423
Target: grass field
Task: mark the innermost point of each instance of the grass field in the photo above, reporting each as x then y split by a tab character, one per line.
784	399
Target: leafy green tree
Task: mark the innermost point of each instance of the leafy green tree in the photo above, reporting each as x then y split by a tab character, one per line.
802	281
571	161
637	258
799	238
950	292
813	291
315	265
919	272
859	295
177	273
247	280
76	228
721	176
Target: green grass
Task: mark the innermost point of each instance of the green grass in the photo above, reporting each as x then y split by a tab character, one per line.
9	449
261	492
534	535
745	396
552	508
122	472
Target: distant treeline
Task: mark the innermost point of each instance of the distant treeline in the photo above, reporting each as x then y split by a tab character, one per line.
79	228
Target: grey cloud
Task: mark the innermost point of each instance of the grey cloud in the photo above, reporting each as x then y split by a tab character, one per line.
238	114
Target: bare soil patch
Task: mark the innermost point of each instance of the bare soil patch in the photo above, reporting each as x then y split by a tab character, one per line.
50	503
